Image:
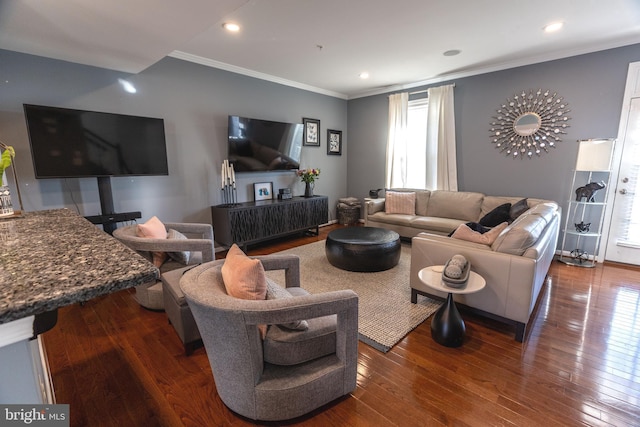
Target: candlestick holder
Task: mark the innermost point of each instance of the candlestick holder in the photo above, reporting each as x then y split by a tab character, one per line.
229	195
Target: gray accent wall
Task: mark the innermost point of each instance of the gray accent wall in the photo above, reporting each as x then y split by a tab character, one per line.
194	101
592	84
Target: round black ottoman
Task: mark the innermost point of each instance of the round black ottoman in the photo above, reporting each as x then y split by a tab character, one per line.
363	248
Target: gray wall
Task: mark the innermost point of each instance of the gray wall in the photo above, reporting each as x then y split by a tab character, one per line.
194	102
592	84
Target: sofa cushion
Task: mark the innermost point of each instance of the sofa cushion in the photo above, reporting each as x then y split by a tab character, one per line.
518	209
455	204
520	235
422	201
546	210
434	224
464	232
286	347
397	202
275	291
396	219
497	216
243	277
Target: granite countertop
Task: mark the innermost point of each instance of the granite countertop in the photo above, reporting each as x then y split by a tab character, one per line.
49	259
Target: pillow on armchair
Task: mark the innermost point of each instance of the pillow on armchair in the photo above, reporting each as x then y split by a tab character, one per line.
243	277
278	292
182	257
153	229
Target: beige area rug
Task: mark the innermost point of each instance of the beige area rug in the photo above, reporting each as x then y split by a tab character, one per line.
386	313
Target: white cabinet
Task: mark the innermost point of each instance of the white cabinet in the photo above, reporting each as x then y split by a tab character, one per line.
587	203
24	371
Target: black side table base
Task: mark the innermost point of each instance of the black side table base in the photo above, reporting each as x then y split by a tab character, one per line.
447	326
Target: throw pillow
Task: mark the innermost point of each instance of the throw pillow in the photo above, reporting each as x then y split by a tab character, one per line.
182	256
243	277
153	229
400	202
497	216
278	292
518	208
475	227
463	232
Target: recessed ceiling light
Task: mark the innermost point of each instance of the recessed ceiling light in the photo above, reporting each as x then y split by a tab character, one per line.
229	26
553	27
452	52
364	75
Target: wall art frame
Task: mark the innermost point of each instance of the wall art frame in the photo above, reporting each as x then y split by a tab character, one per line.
334	142
311	132
263	191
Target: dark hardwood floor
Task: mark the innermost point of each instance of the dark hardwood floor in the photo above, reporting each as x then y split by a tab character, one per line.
118	364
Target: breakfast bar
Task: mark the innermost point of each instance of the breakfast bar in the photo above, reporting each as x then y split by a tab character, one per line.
50	259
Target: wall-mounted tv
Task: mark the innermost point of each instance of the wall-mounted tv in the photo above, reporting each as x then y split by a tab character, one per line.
68	143
261	145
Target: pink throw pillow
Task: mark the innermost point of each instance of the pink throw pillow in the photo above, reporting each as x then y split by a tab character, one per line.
243	277
153	229
400	202
463	232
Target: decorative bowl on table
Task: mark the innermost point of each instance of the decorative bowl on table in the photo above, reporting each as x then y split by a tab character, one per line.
455	272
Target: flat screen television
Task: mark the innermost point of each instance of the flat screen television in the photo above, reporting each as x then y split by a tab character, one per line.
68	143
262	145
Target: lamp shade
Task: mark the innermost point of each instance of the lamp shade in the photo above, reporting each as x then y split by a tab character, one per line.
595	154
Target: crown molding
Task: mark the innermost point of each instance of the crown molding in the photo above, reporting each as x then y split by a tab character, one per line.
498	67
551	56
255	74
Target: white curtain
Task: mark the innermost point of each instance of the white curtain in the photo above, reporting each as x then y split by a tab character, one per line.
396	167
441	139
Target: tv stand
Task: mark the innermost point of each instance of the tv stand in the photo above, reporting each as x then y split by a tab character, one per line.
109	218
253	222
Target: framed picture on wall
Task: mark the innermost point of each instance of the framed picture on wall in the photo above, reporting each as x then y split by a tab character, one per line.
311	132
263	191
334	142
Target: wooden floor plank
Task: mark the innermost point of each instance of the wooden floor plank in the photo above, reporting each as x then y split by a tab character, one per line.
116	363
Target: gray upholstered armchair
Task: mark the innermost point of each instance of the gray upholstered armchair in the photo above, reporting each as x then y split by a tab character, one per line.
199	244
288	373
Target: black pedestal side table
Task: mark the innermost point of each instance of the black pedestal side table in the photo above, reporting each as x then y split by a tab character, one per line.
447	325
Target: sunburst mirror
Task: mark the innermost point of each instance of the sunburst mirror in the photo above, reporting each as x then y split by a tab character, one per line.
529	124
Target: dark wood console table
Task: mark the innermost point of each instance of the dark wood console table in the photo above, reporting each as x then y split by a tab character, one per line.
253	222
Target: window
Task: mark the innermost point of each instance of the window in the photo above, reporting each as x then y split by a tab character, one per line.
421	146
417	154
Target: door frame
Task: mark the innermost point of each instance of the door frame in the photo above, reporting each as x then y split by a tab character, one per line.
631	90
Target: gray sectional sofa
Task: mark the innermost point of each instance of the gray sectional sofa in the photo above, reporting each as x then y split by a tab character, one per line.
514	265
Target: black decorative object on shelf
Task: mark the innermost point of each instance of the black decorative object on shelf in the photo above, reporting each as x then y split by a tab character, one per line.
579	255
582	227
589	191
374	194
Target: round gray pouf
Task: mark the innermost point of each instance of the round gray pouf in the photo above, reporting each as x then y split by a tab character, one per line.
363	248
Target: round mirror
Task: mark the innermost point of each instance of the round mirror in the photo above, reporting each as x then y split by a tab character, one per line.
527	124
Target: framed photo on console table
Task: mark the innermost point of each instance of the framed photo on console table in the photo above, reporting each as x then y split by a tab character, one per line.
311	132
263	191
334	142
